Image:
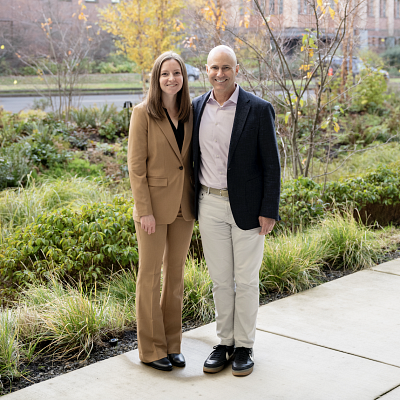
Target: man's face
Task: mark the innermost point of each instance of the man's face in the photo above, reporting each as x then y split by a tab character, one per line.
222	70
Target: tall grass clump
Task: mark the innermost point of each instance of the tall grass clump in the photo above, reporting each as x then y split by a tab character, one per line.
348	244
20	206
291	262
9	348
122	289
68	320
197	298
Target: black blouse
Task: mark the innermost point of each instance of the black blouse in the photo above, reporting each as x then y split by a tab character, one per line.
179	132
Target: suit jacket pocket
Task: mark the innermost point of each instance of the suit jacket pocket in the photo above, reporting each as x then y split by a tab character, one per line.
157	181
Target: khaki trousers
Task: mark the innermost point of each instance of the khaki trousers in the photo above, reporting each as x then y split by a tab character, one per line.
159	323
233	258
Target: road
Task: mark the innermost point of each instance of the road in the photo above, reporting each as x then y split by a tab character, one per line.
16	104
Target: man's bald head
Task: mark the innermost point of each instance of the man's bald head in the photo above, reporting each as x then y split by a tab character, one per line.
222	49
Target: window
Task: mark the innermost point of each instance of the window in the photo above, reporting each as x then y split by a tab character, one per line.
383	8
271	7
370	6
280	6
397	8
303	9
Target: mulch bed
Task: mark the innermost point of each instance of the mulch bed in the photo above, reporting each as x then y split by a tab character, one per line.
46	367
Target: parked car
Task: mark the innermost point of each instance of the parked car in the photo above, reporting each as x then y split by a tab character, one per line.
193	73
357	66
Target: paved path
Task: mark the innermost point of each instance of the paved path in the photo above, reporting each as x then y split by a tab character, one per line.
17	104
338	341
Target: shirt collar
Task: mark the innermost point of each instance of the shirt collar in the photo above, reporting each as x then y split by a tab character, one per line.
233	99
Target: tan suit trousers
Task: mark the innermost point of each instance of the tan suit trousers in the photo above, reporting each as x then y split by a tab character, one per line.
159	323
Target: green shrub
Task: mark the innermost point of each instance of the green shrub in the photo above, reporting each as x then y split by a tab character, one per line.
369	93
93	117
303	200
78	167
14	166
86	244
20	207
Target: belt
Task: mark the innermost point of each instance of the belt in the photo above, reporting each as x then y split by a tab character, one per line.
218	192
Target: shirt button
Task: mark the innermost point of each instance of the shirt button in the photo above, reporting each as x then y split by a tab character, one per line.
181	168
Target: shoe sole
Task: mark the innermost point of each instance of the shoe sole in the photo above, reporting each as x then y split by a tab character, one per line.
159	369
213	370
244	372
179	366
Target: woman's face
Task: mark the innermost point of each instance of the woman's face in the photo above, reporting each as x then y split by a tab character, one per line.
171	78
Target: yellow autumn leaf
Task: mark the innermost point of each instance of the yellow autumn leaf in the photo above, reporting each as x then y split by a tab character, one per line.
332	12
319	2
302	48
336	126
311	52
309	74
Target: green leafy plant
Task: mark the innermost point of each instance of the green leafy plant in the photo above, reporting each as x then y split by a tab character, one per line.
87	244
369	93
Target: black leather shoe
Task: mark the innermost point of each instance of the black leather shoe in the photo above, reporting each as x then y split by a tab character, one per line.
177	360
162	364
218	359
243	363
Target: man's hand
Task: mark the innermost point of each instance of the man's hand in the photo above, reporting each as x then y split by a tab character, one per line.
148	223
267	224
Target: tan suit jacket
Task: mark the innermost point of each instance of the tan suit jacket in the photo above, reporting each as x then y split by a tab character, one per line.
161	177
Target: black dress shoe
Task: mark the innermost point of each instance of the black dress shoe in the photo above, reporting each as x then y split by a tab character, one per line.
177	360
218	359
243	361
162	364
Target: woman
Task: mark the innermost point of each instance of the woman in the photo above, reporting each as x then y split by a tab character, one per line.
161	175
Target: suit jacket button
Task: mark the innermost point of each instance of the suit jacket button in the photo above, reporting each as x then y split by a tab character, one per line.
181	168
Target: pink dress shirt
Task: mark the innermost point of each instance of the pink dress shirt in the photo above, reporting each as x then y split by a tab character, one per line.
215	136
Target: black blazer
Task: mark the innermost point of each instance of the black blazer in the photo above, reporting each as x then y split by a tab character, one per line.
253	160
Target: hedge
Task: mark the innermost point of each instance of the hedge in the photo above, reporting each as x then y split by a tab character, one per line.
375	194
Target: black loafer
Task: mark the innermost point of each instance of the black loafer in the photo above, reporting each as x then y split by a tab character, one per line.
162	364
243	361
177	360
218	359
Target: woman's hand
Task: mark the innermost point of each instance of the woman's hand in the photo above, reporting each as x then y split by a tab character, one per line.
148	223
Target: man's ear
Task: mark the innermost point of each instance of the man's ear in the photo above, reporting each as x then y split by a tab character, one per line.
237	68
206	68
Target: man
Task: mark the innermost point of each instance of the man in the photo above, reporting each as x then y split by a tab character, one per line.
237	188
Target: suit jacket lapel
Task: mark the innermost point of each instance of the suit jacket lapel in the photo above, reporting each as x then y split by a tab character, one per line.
242	109
188	135
166	129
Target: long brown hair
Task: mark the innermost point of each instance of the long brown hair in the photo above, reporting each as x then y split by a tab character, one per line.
153	100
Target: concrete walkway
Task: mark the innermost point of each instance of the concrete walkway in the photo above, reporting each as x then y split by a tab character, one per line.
338	341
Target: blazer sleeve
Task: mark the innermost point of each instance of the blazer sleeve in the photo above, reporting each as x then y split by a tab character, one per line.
137	161
271	164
